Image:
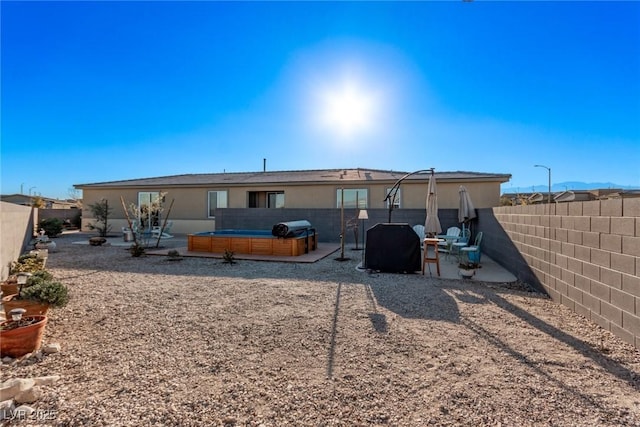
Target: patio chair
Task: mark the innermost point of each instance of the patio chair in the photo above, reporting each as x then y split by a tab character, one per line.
156	231
473	252
419	229
463	241
453	234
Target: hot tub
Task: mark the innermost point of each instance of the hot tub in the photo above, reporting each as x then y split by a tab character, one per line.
257	242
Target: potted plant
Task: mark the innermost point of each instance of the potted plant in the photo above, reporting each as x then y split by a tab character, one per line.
22	279
27	263
43	242
467	269
37	298
52	226
9	286
21	335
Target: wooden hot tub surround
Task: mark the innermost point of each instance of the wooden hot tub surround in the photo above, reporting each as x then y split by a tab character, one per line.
257	244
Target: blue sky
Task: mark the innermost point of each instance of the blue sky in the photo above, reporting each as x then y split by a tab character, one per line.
102	91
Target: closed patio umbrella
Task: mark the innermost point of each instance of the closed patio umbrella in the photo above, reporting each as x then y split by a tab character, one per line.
432	224
466	211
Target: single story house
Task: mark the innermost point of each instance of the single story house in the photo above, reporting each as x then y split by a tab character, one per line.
251	200
47	202
512	199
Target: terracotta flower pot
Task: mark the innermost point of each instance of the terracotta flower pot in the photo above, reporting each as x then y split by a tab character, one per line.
22	340
9	288
34	308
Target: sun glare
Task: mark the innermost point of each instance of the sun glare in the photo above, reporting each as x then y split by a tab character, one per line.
347	110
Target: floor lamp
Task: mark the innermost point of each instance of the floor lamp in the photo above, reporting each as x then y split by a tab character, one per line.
362	215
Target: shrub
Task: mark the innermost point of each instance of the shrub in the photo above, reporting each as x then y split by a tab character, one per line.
101	212
38	277
51	226
228	257
136	250
27	263
55	294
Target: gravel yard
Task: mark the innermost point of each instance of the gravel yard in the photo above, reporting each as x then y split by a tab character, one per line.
147	341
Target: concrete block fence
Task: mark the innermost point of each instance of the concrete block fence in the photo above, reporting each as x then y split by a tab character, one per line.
327	222
585	255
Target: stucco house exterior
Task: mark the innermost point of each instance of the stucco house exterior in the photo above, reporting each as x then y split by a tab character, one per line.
205	202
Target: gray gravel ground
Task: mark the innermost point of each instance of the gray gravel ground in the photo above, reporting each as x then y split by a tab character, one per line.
150	342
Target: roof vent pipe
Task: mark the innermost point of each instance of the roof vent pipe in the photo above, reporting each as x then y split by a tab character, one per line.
264	165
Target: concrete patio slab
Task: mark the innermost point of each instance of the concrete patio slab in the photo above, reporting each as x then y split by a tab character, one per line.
490	270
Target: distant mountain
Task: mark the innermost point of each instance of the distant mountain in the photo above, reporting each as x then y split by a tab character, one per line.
569	185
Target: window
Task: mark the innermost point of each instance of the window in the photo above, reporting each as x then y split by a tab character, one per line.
266	199
275	200
149	208
396	203
353	198
217	200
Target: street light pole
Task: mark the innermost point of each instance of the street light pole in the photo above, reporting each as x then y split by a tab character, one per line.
549	172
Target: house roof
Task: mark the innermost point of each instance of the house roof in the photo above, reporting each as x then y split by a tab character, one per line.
27	200
292	177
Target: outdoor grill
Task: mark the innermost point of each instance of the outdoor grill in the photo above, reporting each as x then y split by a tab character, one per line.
393	248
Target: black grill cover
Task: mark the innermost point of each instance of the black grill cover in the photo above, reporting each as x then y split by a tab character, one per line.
393	248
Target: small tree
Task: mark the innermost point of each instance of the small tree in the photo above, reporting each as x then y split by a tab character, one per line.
101	212
38	202
75	196
353	224
51	226
147	215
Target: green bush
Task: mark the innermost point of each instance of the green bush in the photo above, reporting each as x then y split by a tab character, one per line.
51	226
55	294
26	257
38	277
26	263
136	250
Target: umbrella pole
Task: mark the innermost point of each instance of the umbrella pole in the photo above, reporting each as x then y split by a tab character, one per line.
342	257
342	224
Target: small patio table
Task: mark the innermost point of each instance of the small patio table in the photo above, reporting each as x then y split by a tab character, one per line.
450	241
436	258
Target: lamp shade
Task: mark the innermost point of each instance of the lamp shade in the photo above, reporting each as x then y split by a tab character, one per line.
363	214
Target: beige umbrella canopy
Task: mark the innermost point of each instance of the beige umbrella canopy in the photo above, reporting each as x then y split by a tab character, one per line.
466	211
432	224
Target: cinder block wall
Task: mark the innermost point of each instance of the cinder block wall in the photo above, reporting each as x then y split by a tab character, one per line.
326	221
586	256
61	214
